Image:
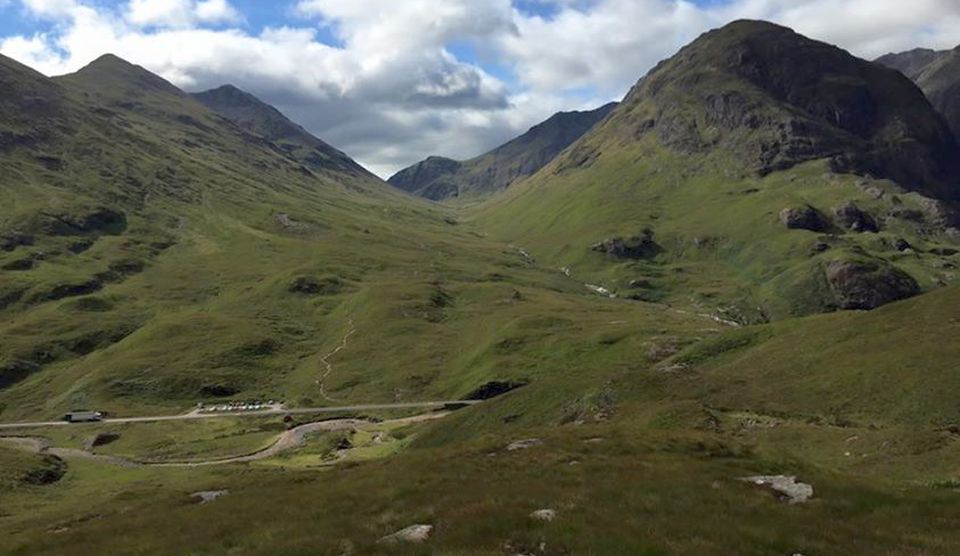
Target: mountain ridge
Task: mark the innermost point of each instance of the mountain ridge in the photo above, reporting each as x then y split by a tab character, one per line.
440	178
256	116
937	73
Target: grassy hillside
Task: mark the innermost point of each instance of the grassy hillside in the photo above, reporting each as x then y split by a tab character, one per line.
690	189
186	258
665	443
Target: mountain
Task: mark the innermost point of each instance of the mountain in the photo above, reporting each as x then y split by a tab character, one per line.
912	62
769	173
439	178
937	73
255	116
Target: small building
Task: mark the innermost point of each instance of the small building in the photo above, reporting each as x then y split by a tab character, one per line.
83	416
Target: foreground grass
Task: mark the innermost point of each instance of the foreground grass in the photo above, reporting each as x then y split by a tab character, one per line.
618	487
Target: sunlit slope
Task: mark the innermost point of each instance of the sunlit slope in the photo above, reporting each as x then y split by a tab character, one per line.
156	254
726	182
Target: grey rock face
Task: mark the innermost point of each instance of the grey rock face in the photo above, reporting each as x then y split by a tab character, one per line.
804	218
868	285
787	487
851	217
636	247
413	534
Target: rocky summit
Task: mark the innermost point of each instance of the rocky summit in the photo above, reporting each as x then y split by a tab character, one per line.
775	99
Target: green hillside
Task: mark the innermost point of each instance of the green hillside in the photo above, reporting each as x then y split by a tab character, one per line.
158	254
725	188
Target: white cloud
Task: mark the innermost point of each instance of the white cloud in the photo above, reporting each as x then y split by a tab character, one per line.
217	11
179	13
391	90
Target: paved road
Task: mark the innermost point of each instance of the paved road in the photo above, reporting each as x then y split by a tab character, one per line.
286	440
262	413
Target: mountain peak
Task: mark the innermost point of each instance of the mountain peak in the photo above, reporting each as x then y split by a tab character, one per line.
775	98
109	72
252	114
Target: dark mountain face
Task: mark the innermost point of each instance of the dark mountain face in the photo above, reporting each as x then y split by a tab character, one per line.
439	178
255	116
941	83
937	73
774	99
434	178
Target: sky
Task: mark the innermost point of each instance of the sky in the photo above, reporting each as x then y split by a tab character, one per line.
392	81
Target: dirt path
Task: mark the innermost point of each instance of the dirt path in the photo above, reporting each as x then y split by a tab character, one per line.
329	366
287	440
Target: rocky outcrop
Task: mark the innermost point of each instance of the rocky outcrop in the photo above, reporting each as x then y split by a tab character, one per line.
207	496
524	444
775	99
545	514
851	217
862	285
12	240
413	534
636	247
69	290
804	218
311	285
787	488
100	221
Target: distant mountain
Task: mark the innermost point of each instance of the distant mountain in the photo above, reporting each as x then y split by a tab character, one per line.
757	167
440	178
937	73
912	62
256	116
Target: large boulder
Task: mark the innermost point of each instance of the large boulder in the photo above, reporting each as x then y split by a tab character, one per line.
804	218
636	247
867	285
851	217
